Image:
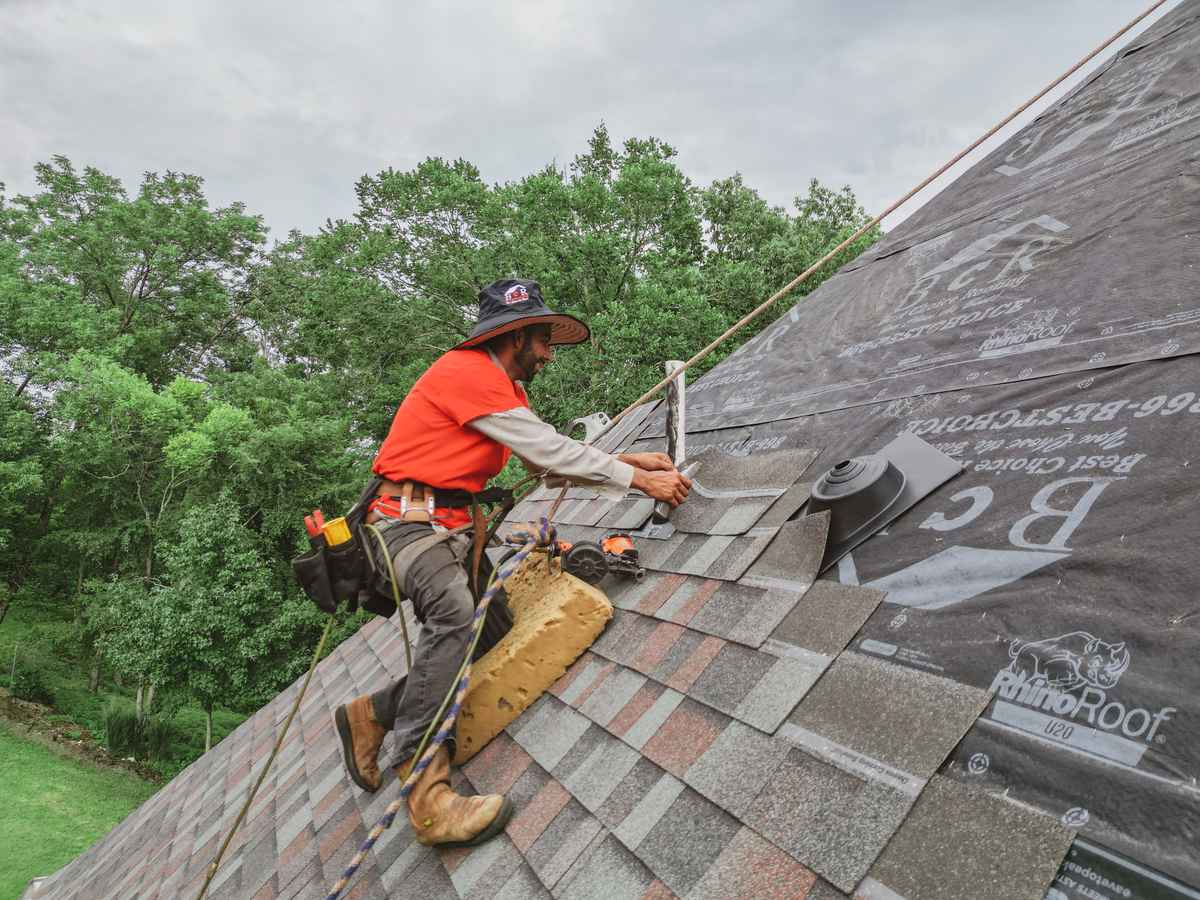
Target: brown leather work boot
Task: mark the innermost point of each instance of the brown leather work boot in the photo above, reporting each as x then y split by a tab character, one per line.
443	818
361	737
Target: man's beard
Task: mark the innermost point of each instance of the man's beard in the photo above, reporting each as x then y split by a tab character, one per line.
527	362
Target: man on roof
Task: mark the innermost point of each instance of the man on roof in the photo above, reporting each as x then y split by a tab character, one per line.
455	431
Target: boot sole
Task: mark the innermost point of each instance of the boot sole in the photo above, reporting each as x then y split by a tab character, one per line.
342	723
493	829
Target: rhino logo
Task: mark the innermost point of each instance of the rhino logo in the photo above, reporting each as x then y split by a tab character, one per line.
1073	660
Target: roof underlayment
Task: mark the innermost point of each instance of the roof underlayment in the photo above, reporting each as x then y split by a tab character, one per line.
745	728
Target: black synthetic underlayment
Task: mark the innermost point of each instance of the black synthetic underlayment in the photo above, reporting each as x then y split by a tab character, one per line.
1037	322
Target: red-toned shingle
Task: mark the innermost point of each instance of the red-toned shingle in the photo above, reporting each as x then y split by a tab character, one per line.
531	820
658	595
750	866
659	891
685	735
340	827
582	696
634	709
656	646
494	769
686	674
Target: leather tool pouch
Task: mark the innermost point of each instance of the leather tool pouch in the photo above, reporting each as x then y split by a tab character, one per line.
331	576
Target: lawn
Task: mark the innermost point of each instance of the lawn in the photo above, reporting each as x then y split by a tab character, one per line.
54	808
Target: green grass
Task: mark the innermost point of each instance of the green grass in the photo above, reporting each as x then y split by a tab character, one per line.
54	808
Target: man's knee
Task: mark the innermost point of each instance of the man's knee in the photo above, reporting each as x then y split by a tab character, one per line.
451	608
437	584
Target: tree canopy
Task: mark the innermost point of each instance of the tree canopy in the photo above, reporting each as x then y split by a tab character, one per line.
176	394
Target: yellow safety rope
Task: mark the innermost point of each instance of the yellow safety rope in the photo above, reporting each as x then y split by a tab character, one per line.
212	867
799	279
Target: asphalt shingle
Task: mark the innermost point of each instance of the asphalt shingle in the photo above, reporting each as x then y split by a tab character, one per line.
547	730
907	719
563	841
689	836
742	613
658	790
831	821
826	618
1001	851
609	871
736	766
730	677
750	866
791	560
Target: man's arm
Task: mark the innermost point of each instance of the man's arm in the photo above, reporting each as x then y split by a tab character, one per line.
545	449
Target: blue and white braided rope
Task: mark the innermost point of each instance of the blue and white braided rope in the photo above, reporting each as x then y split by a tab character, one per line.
542	537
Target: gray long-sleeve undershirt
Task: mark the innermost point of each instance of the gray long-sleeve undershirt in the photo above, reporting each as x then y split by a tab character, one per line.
544	449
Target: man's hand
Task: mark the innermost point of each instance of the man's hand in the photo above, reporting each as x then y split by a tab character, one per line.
651	462
668	486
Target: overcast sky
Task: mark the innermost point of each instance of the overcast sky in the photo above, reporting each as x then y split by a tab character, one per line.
283	105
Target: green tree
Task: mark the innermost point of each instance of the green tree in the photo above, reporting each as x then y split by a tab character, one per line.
207	629
176	396
153	282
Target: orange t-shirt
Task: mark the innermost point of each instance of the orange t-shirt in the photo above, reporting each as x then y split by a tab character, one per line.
429	440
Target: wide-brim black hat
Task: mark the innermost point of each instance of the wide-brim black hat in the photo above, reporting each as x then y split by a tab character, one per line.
510	304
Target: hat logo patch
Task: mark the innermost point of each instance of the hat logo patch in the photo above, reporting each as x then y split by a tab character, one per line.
515	294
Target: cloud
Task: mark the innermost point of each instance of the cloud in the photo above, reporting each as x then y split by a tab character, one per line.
285	105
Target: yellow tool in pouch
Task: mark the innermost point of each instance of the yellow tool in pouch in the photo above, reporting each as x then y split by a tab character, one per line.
336	531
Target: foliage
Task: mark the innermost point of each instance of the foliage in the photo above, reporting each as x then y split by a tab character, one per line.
30	684
125	734
175	395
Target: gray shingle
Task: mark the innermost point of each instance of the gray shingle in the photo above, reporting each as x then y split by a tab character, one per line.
771	469
792	559
650	721
1000	850
827	617
565	839
548	729
647	812
485	867
678	654
778	692
787	505
629	792
679	605
581	682
599	774
742	613
686	841
823	890
628	514
729	678
610	695
720	556
736	766
905	718
609	871
831	821
523	885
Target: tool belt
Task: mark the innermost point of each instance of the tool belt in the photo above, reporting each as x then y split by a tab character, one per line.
412	501
350	573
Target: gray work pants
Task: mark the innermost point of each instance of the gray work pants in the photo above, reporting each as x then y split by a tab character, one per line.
432	574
